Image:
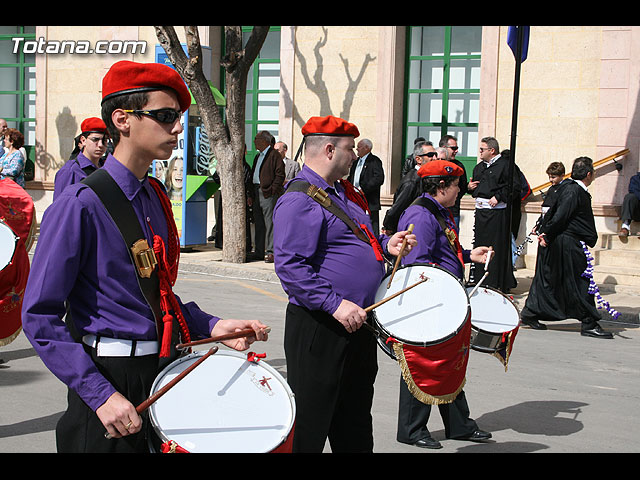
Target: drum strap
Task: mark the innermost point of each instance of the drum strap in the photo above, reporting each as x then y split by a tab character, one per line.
450	233
123	215
322	197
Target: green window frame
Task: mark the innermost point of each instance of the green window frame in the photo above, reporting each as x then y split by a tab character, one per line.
263	90
21	71
442	87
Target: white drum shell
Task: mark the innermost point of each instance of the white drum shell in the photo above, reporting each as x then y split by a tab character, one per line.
224	405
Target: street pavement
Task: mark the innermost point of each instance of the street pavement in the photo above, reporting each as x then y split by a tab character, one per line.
561	392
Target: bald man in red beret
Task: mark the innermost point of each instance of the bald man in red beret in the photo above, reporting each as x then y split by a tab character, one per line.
124	319
330	270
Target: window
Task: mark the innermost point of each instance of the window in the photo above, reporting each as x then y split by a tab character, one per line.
443	87
263	90
18	83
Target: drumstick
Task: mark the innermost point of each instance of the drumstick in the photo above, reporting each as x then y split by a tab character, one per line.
385	300
489	253
153	398
404	244
248	332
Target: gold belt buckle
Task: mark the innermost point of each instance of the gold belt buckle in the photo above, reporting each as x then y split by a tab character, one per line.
144	258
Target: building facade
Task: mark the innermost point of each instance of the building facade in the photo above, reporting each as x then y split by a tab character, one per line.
578	94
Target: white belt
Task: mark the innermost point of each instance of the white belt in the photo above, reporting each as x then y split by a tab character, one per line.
115	347
484	203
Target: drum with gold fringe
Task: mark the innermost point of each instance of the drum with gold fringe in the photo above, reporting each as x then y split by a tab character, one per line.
17	226
427	329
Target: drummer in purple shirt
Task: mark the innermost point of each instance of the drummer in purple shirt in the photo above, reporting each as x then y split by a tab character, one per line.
93	145
440	187
330	275
108	351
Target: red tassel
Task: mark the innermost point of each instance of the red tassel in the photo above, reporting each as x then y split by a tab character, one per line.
167	322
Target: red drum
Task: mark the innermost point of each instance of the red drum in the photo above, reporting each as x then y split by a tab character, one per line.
427	329
228	404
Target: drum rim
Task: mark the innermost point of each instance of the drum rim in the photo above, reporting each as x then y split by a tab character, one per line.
231	353
467	316
5	225
469	288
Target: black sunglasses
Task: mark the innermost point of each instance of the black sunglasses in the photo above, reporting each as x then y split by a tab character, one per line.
428	154
163	115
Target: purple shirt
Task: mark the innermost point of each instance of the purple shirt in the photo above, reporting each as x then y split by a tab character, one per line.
80	256
433	246
70	173
318	259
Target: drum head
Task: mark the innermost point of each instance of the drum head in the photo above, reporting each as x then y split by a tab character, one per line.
8	241
225	405
429	313
492	311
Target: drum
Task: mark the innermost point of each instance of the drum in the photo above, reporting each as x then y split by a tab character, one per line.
428	314
493	316
8	243
228	404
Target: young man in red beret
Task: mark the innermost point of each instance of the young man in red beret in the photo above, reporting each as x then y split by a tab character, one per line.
118	334
330	270
92	144
440	186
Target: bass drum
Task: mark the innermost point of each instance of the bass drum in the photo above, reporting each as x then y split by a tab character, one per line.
227	404
426	315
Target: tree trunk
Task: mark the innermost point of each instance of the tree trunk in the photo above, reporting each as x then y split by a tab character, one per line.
227	140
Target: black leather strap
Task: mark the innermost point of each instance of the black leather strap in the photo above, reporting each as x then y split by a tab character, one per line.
429	205
123	215
320	196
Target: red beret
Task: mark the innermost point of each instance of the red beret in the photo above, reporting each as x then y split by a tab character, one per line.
330	126
93	124
439	168
128	77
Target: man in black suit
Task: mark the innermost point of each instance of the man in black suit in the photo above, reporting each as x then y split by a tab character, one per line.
367	174
267	174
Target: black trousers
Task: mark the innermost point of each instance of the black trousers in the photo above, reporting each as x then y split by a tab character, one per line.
630	208
413	416
331	372
79	430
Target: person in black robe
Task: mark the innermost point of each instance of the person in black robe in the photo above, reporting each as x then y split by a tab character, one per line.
489	185
543	268
559	291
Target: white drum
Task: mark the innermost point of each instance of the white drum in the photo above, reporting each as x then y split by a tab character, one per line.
493	314
227	404
8	243
428	314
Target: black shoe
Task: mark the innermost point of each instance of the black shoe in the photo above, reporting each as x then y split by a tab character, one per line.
596	332
427	442
535	324
476	436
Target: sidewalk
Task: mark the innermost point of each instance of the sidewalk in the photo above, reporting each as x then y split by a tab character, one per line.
207	259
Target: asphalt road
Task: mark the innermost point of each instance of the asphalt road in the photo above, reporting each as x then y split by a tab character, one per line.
562	393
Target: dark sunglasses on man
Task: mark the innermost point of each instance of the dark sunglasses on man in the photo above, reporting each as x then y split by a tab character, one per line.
163	115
